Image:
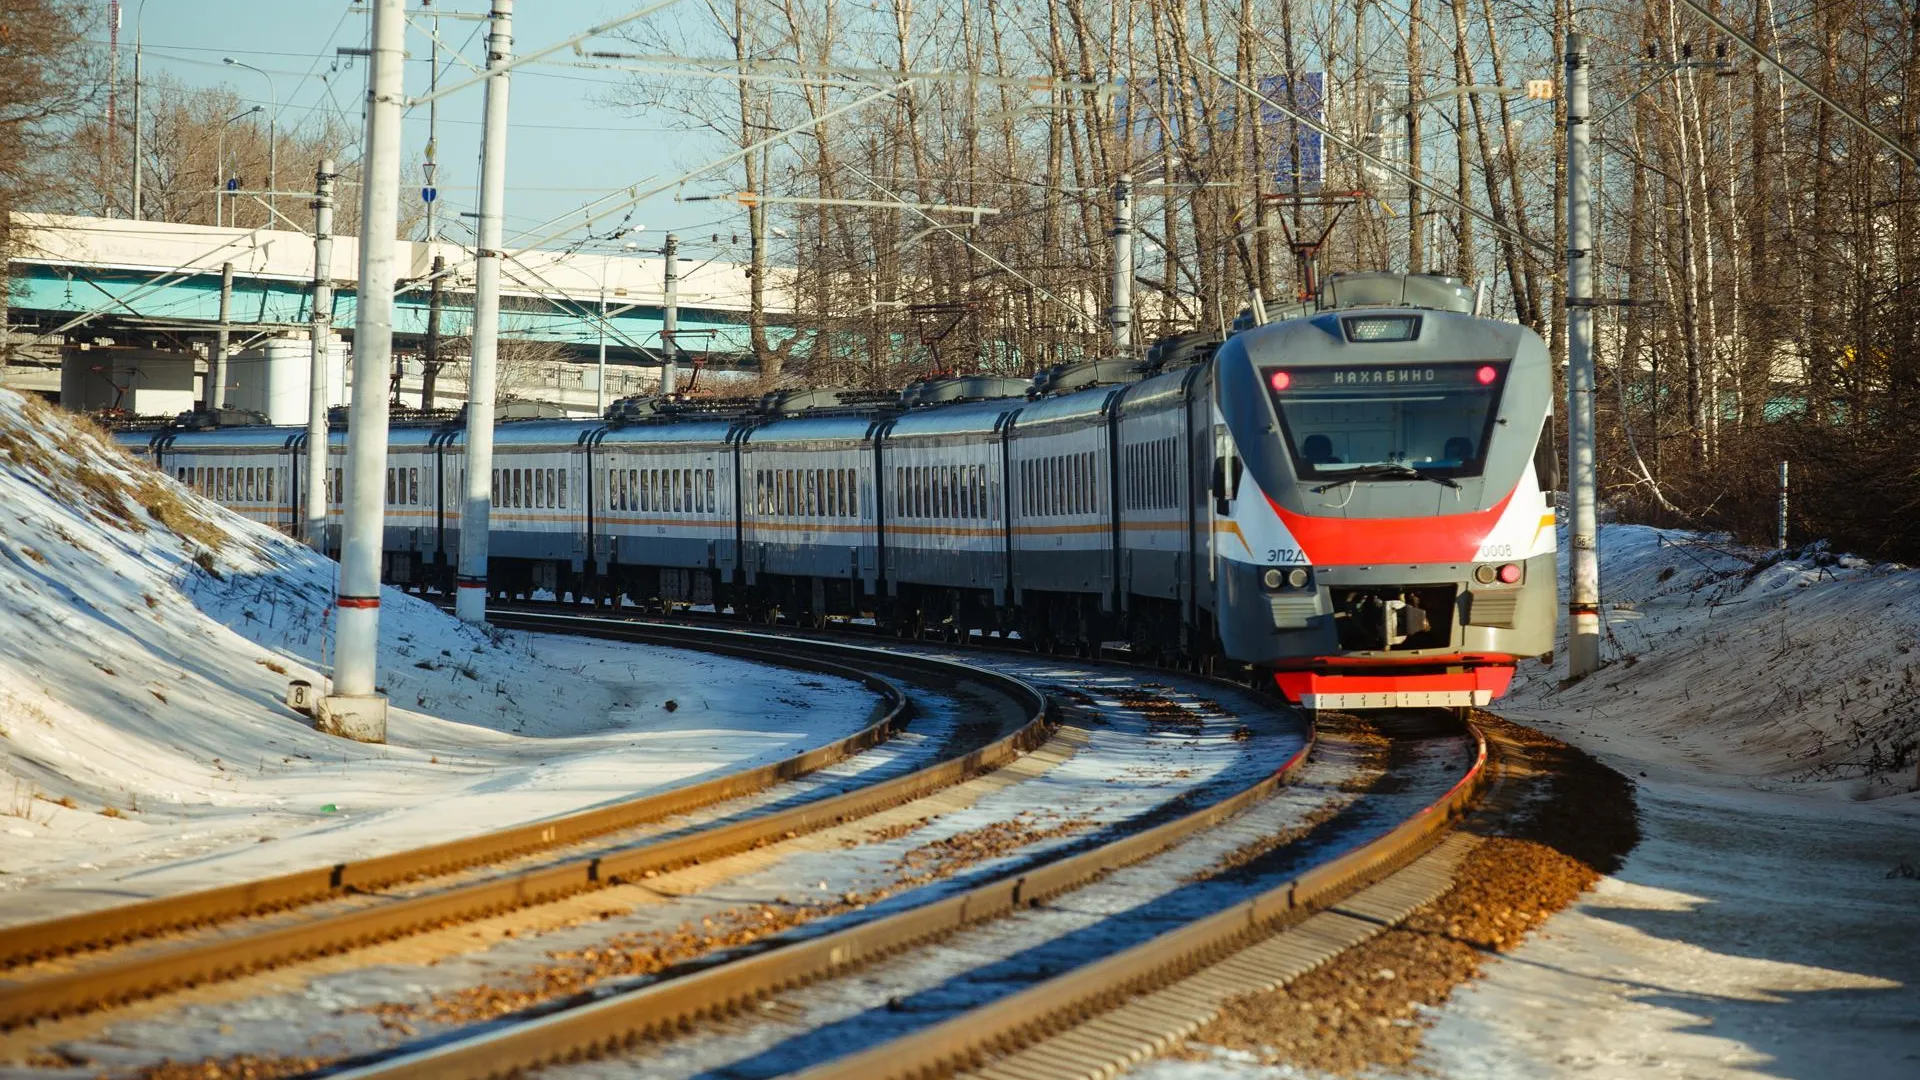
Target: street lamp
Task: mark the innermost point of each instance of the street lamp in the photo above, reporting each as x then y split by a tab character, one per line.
139	14
606	261
272	131
220	165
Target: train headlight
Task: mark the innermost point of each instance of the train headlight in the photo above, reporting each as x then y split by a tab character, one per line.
1484	574
1272	579
1297	577
1510	573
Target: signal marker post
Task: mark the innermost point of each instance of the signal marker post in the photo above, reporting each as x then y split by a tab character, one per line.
356	709
470	600
1583	556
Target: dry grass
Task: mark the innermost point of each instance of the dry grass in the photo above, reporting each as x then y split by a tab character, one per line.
272	665
111	811
163	500
114	481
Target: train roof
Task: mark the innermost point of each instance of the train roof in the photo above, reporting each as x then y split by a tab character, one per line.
971	418
832	427
1324	340
1154	390
249	437
703	430
1084	404
537	433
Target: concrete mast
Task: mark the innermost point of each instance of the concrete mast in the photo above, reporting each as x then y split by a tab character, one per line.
470	601
357	709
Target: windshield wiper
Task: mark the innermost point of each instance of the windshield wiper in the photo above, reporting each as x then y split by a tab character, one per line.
1386	470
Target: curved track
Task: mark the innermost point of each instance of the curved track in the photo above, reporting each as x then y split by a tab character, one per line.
608	1024
156	970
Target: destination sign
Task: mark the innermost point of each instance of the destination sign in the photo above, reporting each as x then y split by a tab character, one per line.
1386	377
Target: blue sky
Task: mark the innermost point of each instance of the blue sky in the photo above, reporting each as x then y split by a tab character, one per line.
566	146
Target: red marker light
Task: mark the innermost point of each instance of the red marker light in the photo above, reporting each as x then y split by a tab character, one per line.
1510	573
1280	380
1486	375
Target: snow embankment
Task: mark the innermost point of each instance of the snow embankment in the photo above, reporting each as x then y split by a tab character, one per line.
1781	671
147	637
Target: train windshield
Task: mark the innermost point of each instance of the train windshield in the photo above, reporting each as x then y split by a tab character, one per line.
1436	418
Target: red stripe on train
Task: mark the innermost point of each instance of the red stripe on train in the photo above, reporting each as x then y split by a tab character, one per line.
1445	538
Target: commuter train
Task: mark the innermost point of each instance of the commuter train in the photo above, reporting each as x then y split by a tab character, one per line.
1356	500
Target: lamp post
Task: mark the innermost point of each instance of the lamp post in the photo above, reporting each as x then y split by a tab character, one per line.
272	129
220	166
600	393
139	14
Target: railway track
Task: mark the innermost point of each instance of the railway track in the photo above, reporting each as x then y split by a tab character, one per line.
1088	1021
128	973
609	1019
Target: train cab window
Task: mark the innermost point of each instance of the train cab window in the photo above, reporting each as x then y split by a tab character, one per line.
1373	421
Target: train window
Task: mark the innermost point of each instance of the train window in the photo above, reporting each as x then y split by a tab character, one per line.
560	487
853	494
270	473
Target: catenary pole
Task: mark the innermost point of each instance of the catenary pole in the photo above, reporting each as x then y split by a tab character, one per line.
1120	314
670	317
1583	556
217	393
356	708
319	333
470	601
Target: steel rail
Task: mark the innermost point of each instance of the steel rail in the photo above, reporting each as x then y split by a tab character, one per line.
127	922
976	1037
214	959
601	1023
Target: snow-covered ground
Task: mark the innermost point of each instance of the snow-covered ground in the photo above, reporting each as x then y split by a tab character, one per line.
146	640
1768	925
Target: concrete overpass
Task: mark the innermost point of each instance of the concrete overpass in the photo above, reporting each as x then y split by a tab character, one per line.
115	310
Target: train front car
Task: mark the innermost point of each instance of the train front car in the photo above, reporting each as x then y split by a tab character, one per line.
1383	537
